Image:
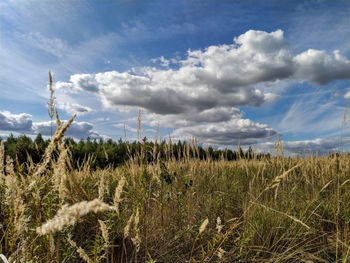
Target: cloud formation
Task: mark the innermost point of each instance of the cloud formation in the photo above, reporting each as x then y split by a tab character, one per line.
322	145
207	86
227	133
214	115
76	130
74	108
23	123
222	75
310	114
15	122
318	67
54	46
217	76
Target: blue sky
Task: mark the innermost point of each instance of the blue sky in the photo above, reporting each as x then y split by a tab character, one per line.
217	71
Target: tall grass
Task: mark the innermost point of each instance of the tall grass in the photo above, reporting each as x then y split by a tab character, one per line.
189	210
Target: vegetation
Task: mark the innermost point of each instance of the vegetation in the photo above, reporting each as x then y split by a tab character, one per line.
171	209
111	153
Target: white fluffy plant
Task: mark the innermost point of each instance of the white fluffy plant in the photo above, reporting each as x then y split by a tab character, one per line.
68	215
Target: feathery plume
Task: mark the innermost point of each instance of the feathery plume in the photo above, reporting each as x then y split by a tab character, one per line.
136	240
11	182
127	227
203	226
51	245
104	231
139	125
68	215
102	186
220	252
51	104
118	192
2	159
219	226
57	137
80	250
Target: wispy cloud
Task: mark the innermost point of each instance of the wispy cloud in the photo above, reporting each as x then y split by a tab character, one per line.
54	46
312	115
126	126
74	108
320	25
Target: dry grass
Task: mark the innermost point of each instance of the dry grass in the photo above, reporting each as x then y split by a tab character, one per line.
276	210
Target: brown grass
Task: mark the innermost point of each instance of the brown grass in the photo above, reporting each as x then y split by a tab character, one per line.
273	210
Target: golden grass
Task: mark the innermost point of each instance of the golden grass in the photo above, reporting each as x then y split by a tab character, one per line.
274	210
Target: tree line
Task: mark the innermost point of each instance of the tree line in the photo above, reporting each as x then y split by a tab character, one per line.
103	153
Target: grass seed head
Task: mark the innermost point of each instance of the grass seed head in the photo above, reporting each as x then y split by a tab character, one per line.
203	226
68	215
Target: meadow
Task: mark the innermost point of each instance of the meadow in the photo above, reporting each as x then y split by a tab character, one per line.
188	209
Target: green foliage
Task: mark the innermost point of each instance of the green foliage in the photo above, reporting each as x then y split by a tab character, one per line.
112	153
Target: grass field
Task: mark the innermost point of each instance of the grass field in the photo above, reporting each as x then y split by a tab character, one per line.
275	210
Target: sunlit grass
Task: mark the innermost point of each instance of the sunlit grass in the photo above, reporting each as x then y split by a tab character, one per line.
189	210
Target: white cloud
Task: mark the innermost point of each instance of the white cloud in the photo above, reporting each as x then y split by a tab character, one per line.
310	115
53	46
347	94
214	115
23	123
219	76
208	85
323	145
162	61
271	97
76	129
227	133
78	82
74	108
320	68
15	122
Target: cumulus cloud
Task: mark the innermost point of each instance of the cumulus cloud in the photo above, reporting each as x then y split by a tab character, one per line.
320	68
23	123
73	108
218	76
162	61
227	133
322	145
15	122
214	115
205	88
78	82
77	129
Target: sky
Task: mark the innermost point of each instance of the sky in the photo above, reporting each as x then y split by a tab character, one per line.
220	72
